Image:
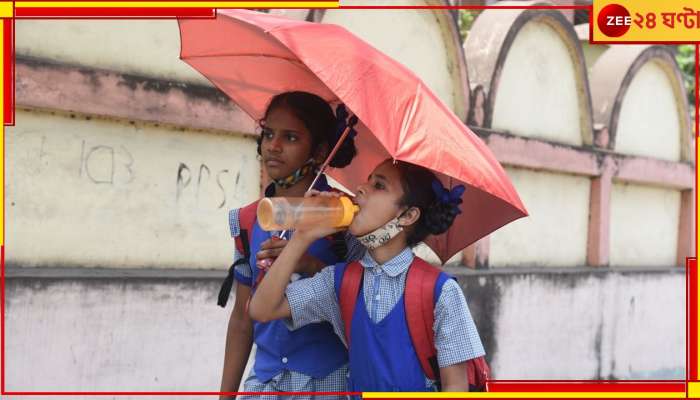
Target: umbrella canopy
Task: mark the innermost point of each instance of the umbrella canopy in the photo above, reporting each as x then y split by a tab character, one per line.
253	56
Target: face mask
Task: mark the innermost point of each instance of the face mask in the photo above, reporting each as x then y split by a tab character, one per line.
381	235
296	176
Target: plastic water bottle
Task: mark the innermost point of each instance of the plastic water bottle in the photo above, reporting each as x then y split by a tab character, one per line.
281	213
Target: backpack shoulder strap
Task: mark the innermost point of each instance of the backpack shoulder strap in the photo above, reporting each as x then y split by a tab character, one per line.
241	223
348	279
246	218
419	304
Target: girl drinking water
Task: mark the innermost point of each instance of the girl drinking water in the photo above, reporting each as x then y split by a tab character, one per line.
400	205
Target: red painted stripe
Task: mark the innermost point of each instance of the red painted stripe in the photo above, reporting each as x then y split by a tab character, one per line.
115	12
9	71
590	23
187	1
638	42
692	275
692	263
15	393
588	381
571	7
2	299
697	97
621	386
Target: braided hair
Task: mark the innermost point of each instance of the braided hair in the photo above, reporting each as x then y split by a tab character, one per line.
436	216
317	115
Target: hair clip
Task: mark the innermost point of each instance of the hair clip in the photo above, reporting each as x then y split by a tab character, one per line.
444	196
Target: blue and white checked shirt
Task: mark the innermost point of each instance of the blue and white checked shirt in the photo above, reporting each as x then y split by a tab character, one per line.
313	300
292	381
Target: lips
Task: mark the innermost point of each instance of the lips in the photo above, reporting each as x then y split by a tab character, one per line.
273	162
356	202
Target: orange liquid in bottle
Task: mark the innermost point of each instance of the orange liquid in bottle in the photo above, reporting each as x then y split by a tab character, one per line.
281	213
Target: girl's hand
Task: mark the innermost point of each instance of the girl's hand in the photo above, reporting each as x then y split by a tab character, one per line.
315	233
271	249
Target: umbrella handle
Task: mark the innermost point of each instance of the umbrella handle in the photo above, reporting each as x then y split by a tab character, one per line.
346	132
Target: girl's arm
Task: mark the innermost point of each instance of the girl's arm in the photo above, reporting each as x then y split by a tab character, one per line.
456	337
454	378
239	340
269	302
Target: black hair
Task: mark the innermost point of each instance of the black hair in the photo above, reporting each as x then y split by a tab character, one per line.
317	115
435	217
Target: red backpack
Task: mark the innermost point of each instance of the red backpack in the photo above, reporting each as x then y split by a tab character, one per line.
419	303
246	218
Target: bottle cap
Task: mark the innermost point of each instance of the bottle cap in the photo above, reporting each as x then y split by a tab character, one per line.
265	214
349	211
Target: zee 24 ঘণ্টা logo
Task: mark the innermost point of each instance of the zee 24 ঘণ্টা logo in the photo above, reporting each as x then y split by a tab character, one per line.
614	20
671	20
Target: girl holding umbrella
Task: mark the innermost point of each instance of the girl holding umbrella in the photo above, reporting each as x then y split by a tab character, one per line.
297	133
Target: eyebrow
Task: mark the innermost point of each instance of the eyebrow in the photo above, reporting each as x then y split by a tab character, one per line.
267	128
378	176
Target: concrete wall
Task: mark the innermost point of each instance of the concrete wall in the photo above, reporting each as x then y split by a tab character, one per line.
161	331
113	335
94	192
515	244
649	123
573	325
537	93
144	48
531	67
643	227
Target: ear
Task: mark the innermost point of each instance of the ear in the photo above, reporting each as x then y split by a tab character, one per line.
409	217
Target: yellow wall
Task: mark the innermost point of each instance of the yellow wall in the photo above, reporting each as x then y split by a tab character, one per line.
106	193
555	233
537	94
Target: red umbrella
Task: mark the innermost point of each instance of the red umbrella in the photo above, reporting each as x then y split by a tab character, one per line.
253	56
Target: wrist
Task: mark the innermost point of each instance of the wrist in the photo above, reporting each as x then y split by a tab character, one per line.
303	238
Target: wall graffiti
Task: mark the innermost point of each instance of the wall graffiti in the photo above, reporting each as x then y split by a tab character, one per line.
207	184
102	163
184	182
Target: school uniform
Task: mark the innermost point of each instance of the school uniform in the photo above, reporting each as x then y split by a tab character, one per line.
309	359
382	357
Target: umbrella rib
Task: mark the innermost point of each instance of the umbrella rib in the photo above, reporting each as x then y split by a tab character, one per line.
291	60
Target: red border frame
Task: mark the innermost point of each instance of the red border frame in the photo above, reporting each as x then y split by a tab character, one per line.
590	386
115	12
691	319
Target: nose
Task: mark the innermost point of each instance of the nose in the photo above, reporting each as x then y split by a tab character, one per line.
361	189
274	145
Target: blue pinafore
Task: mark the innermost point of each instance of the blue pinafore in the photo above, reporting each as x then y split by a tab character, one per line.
313	350
382	356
